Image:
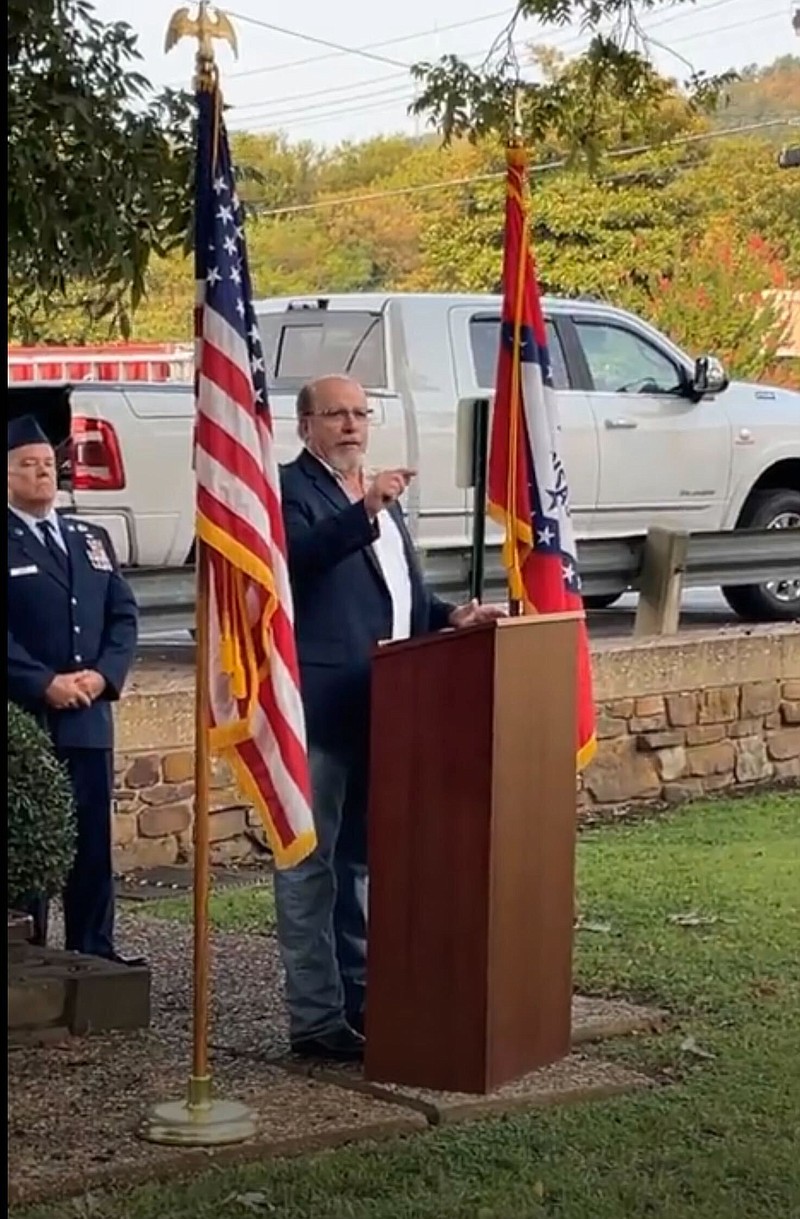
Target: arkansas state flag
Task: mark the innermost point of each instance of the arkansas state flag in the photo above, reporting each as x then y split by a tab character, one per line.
528	490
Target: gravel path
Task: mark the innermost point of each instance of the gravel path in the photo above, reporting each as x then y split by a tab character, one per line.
247	1008
74	1107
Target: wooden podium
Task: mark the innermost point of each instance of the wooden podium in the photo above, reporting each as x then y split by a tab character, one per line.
472	826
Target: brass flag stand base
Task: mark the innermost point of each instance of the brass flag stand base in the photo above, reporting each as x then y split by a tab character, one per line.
199	1121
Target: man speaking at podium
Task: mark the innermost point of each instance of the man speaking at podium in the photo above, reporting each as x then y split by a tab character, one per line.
356	582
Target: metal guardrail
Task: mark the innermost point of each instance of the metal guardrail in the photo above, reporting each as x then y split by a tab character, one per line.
608	567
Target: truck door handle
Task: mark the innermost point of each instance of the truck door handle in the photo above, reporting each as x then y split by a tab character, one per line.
621	424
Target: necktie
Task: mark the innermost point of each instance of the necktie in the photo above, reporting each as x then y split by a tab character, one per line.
48	536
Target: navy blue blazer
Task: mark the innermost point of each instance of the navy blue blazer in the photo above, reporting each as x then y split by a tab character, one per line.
342	604
59	622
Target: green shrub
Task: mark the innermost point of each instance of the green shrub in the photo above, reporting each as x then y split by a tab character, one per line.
41	811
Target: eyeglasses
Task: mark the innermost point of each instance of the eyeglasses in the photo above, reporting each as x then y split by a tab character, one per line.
338	414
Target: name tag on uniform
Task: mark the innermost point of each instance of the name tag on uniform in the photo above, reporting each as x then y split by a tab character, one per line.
97	555
32	570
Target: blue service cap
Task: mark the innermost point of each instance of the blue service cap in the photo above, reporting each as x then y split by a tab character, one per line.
25	430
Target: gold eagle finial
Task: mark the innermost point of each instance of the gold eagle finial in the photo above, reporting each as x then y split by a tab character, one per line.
208	24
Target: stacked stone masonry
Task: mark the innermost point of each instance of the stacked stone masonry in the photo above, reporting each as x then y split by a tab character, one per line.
671	728
154	812
676	747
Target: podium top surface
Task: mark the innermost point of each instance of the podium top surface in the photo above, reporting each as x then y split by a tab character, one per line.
500	624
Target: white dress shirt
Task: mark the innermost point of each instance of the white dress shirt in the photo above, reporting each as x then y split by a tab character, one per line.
33	523
390	553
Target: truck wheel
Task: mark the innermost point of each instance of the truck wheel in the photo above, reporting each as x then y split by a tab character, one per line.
601	602
778	601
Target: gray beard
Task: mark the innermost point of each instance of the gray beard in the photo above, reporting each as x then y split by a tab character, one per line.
342	465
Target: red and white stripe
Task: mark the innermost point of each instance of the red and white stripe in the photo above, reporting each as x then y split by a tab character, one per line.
238	492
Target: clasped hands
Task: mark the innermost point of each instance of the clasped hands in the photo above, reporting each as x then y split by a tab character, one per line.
69	690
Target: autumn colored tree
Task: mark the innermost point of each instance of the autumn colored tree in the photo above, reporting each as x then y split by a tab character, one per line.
416	216
763	93
721	298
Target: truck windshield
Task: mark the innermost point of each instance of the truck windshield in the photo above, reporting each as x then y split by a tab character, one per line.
306	343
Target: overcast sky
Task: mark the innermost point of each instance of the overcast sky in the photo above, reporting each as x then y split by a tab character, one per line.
288	83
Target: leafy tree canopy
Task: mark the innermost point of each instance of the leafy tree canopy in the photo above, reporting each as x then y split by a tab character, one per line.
614	75
99	165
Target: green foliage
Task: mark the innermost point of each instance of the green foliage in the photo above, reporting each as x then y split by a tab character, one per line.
41	817
614	79
410	215
99	167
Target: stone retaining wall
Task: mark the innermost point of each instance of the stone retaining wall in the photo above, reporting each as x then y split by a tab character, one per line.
677	718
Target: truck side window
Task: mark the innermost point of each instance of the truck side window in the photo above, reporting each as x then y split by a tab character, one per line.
622	362
484	337
301	345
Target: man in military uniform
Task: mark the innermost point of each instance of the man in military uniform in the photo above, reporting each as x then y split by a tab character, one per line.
72	628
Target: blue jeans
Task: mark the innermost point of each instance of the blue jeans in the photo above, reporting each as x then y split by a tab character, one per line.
321	905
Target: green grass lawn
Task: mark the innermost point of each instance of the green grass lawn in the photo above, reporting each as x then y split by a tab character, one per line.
250	909
698	912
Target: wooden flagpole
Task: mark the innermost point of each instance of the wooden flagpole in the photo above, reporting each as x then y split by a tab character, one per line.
200	1082
200	1120
515	606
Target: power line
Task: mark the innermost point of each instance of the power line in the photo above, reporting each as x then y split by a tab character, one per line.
541	167
362	107
266	115
275	112
386	42
371	46
301	97
343	105
321	42
724	29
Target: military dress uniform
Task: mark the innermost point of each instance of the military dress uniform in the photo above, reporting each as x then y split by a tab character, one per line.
70	608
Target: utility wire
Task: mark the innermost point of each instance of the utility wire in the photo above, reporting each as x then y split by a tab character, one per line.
362	50
541	167
386	42
298	112
320	42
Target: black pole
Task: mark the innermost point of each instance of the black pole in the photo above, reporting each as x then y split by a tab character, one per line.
480	453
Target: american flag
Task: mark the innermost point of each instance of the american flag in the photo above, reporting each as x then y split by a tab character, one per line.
528	491
255	712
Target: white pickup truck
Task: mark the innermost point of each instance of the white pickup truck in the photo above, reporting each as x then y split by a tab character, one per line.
650	436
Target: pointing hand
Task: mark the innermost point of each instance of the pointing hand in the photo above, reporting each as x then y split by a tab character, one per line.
386	487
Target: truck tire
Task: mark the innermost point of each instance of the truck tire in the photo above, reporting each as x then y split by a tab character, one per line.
775	602
601	602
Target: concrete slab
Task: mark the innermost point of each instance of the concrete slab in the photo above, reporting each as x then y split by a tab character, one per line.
570	1081
574	1079
74	1112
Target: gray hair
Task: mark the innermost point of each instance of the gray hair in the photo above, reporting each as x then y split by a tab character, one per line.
305	401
